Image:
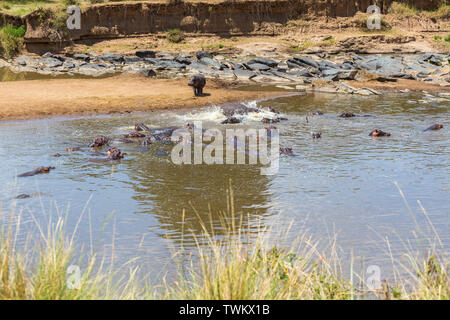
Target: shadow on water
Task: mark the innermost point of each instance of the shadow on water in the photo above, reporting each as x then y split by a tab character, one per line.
164	190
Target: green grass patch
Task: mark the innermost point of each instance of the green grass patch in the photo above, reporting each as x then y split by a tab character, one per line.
11	40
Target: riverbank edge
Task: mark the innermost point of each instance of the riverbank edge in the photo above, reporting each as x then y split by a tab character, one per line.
123	94
126	94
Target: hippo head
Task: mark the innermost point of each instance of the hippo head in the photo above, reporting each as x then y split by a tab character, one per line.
115	153
193	82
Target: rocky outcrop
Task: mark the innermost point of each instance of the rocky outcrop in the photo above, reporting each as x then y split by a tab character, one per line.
324	72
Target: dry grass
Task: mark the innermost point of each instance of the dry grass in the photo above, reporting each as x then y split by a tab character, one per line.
225	269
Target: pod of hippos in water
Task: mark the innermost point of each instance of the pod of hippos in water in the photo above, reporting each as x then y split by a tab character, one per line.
149	136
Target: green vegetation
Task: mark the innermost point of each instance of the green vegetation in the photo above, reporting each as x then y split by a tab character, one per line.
68	3
11	40
23	7
403	9
175	35
443	41
223	269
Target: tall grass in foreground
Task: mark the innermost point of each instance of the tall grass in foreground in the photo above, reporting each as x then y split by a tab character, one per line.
225	269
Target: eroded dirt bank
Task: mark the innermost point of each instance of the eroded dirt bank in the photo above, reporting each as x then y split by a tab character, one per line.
126	93
263	17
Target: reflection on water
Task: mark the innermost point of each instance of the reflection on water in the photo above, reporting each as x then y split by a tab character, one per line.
341	184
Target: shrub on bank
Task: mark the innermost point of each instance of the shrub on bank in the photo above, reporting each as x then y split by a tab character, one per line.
11	40
175	35
403	9
68	3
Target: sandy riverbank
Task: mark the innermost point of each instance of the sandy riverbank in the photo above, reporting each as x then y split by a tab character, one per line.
125	93
128	93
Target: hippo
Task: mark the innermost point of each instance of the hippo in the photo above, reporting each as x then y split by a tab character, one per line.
347	115
23	196
72	149
434	127
286	151
232	109
164	130
99	141
231	120
121	140
317	135
141	127
27	196
115	153
56	155
38	170
317	113
134	135
276	120
379	133
197	82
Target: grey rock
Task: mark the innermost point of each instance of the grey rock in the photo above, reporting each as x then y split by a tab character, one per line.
345	75
244	74
258	67
47	55
203	54
112	57
197	67
91	69
164	64
268	62
181	59
23	60
164	56
81	56
50	62
132	59
210	62
329	73
68	64
145	54
308	62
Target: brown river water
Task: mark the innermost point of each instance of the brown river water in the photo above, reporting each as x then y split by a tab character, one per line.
343	185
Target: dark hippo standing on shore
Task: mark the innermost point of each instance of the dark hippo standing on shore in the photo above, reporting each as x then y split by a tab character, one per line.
197	82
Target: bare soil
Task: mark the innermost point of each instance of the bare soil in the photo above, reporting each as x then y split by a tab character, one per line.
125	93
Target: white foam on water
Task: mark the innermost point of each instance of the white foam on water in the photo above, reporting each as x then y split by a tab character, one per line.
215	114
209	114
